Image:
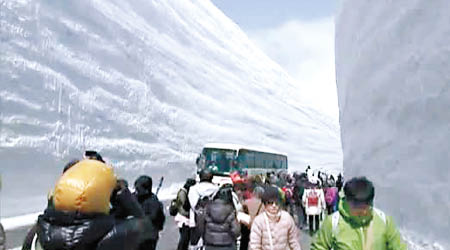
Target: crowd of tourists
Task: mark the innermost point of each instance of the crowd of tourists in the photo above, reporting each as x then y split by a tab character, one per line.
90	208
272	211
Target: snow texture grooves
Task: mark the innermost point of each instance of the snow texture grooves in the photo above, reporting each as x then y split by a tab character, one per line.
146	83
394	99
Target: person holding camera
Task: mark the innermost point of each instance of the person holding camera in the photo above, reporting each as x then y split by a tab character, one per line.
153	209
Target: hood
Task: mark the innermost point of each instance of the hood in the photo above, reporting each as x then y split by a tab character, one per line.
219	210
205	188
354	221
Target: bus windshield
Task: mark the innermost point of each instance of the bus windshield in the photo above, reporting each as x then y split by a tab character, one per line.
219	160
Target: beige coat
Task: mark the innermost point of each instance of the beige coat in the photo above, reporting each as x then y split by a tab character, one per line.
254	207
283	230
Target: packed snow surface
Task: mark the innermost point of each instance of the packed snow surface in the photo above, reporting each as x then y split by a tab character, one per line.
393	78
145	83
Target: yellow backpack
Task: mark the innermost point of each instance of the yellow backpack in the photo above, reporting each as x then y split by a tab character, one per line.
86	187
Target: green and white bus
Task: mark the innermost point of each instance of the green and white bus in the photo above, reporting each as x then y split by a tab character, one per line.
223	159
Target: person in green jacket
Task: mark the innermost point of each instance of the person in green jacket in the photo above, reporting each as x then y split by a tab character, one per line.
357	225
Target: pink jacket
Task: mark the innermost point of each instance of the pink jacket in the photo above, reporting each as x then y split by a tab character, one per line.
283	230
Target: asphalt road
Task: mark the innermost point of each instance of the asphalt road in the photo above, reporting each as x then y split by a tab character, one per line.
168	240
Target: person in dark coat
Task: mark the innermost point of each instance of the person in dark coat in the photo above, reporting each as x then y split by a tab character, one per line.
26	245
153	210
2	238
221	225
340	182
300	183
123	202
62	230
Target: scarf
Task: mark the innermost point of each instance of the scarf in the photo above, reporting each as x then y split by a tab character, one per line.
274	217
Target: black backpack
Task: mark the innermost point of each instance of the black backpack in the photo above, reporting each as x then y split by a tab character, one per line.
173	208
200	211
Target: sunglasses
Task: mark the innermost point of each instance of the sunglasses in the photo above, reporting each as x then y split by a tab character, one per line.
271	203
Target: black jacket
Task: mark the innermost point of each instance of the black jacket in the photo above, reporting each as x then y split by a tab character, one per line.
221	225
125	204
154	213
2	238
58	230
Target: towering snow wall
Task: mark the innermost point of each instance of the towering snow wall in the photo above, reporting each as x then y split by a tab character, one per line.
146	83
393	78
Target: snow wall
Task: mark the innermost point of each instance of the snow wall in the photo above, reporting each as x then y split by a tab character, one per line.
393	79
146	83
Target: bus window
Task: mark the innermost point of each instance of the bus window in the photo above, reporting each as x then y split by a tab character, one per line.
246	159
225	159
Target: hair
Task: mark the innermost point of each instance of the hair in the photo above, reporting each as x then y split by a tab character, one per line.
258	192
145	182
271	193
359	189
70	164
206	175
122	181
93	155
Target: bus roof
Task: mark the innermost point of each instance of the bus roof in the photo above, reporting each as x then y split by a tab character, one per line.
237	147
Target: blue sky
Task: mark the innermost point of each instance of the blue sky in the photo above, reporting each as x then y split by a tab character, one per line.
256	14
298	35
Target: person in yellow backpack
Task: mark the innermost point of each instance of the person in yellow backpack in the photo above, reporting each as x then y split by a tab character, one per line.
357	225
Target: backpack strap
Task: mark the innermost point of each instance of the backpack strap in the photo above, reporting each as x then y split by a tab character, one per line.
269	231
259	208
34	242
381	214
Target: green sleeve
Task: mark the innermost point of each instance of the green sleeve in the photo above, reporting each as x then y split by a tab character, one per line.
393	238
324	237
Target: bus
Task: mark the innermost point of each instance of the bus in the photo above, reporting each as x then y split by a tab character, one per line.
223	159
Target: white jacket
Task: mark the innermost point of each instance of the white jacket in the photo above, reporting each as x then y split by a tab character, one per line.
321	205
196	192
